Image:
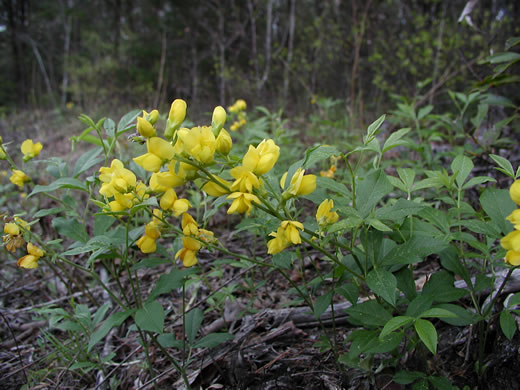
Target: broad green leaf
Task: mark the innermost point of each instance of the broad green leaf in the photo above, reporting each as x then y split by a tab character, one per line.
427	333
100	314
401	209
101	223
475	181
394	324
109	127
441	288
312	156
372	129
150	262
332	185
349	222
498	205
383	283
64	182
127	122
369	313
45	212
437	312
367	341
350	291
193	321
111	322
407	175
322	303
395	139
513	41
414	250
168	340
70	228
503	163
461	167
507	324
150	317
213	340
420	304
377	224
463	317
504	57
424	111
284	259
440	382
371	190
407	377
170	281
86	161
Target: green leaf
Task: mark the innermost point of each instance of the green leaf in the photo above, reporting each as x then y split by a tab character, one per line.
503	163
507	324
64	182
441	383
414	250
437	312
512	42
168	340
313	155
109	127
369	313
475	181
383	283
395	140
193	321
332	185
424	111
418	305
350	291
170	281
464	317
86	161
461	167
407	175
498	205
504	57
45	212
377	224
151	317
150	262
284	259
427	333
371	190
394	324
407	377
127	122
70	228
101	223
401	209
441	288
213	340
372	129
321	303
351	221
111	322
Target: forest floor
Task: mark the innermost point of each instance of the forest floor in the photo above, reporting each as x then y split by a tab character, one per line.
275	345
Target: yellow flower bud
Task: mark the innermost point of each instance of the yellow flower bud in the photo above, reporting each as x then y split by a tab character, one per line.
175	117
151	117
514	192
19	178
300	184
145	128
219	119
224	142
324	216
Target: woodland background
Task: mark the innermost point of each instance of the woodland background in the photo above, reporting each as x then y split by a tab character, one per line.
104	55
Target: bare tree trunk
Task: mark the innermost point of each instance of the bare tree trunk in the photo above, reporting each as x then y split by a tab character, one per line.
222	57
161	71
254	55
66	52
289	51
43	70
268	36
439	49
194	76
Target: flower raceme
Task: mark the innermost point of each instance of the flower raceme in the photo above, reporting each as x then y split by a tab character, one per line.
511	242
245	180
299	185
31	259
242	202
169	201
238	106
199	143
116	179
30	149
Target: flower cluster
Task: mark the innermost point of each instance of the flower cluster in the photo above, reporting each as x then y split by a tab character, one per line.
511	242
238	109
13	239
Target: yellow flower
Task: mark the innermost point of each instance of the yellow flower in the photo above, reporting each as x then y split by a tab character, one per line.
324	216
199	143
147	242
116	179
514	218
278	243
189	225
329	173
261	159
169	201
511	241
224	142
290	229
159	152
162	181
206	236
11	228
30	149
145	128
513	257
514	191
13	237
242	202
239	105
31	259
175	117
300	184
121	202
19	178
214	189
189	251
245	180
219	119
